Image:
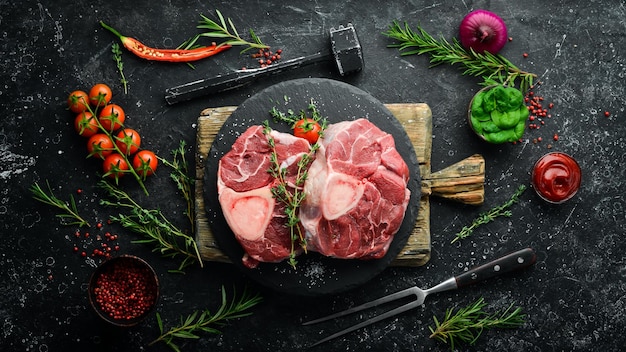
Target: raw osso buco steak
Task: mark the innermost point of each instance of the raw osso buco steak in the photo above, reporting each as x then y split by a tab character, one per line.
355	194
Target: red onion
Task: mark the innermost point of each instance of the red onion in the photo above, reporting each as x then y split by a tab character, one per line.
483	31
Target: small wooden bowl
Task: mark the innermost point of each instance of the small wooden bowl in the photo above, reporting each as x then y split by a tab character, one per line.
123	290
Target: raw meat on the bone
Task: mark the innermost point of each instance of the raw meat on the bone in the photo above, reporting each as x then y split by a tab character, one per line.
245	193
356	192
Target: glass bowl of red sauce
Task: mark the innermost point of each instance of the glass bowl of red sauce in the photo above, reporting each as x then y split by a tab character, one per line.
556	177
123	290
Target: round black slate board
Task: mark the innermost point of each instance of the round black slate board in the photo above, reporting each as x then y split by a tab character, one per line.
337	101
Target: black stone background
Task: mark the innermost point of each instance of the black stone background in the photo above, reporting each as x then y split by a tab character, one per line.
574	297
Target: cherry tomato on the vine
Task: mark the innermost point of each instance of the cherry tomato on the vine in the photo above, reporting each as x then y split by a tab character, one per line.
128	141
112	117
100	145
86	124
77	101
100	95
115	166
145	163
308	129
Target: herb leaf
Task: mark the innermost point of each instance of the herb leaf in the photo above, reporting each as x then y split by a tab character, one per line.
203	321
221	30
117	57
487	217
70	215
492	68
467	324
292	196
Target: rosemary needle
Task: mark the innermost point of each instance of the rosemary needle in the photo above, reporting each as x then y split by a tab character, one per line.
154	226
205	321
70	210
225	29
487	217
466	324
492	68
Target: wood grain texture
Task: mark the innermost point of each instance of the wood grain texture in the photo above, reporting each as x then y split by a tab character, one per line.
462	182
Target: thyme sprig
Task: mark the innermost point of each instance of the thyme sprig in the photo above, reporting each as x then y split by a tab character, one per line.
225	29
184	183
291	195
155	228
70	215
204	321
492	68
491	215
117	57
467	324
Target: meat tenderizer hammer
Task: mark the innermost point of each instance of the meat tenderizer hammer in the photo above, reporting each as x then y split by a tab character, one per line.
345	52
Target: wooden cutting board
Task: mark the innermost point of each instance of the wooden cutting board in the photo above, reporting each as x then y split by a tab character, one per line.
462	182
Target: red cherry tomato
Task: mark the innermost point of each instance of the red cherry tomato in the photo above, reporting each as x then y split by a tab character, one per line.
86	124
100	145
112	117
115	166
100	95
308	129
77	101
128	141
145	163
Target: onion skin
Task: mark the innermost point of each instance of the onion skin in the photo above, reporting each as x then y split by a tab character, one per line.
482	31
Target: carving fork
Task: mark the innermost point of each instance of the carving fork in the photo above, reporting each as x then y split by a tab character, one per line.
517	260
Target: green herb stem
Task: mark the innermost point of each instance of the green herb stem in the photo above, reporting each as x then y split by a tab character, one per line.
494	69
491	215
70	215
467	324
154	226
292	197
204	321
184	183
227	31
117	57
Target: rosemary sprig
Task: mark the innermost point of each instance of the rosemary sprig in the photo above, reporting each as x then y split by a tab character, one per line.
467	324
117	57
226	29
198	322
489	216
492	68
70	215
154	226
184	183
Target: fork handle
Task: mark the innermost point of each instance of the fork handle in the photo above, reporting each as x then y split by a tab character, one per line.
510	262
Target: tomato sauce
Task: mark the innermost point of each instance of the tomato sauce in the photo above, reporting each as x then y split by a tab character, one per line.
556	177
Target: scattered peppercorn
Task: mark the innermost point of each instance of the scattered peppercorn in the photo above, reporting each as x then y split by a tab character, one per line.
607	114
102	245
525	55
266	57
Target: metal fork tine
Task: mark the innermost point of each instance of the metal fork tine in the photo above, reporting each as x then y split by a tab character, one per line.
373	320
389	298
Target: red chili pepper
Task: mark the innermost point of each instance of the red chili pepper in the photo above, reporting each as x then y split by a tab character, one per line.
170	55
